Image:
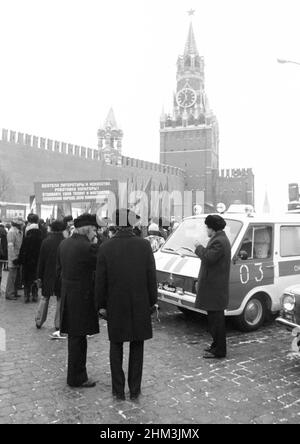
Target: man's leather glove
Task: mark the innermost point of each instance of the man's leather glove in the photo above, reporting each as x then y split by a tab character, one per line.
16	262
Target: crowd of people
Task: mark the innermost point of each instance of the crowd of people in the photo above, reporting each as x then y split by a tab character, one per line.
20	243
103	268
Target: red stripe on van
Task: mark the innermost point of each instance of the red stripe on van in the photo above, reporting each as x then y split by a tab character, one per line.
180	266
169	264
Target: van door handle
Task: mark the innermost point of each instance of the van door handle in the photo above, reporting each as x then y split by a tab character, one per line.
269	266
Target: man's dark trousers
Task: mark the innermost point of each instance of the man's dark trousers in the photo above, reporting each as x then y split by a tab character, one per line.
77	351
217	329
135	367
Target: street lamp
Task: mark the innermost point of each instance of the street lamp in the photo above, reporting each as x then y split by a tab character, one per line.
287	61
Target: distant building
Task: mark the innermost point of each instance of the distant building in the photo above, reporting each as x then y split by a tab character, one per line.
235	186
294	197
189	137
294	194
110	140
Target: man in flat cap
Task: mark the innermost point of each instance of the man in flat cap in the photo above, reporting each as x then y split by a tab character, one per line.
76	264
126	292
213	283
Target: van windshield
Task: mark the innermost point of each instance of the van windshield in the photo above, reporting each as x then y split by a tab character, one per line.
183	239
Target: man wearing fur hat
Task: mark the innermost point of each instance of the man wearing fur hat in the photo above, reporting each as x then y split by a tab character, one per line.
213	283
76	264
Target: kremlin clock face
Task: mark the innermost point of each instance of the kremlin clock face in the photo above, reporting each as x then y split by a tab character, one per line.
186	97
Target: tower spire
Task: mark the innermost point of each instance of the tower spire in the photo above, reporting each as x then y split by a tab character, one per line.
110	120
191	46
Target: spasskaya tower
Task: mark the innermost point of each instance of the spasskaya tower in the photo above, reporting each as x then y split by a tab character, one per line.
189	135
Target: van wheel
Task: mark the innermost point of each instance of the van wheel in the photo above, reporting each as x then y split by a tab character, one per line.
253	316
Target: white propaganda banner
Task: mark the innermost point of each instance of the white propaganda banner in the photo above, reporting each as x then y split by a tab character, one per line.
81	191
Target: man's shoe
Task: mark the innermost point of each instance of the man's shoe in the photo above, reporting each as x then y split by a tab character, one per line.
212	356
209	350
10	298
119	396
56	335
135	396
87	384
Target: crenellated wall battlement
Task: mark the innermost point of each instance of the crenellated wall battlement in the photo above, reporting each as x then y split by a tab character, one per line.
236	173
68	149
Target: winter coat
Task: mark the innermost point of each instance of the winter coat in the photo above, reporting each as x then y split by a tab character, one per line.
126	286
3	244
29	253
213	281
47	265
14	243
76	264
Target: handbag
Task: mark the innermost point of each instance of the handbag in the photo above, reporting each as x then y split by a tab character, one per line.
42	311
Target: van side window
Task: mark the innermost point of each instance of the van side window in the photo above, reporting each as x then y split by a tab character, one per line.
257	243
290	241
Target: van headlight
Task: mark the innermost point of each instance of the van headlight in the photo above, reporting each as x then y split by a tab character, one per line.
288	302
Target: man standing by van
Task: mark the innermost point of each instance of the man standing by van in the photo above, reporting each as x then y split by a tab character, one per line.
213	283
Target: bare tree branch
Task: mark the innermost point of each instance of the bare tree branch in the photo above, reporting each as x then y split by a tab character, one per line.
7	190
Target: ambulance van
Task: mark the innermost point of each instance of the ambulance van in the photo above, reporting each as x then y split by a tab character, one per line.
265	260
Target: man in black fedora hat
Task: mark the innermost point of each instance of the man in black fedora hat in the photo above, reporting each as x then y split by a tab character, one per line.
76	265
126	292
213	283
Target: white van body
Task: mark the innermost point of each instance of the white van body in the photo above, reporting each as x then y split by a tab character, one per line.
265	260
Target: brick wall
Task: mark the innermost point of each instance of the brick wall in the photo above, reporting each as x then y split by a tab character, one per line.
40	161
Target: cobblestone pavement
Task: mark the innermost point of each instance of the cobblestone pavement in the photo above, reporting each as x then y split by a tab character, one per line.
258	383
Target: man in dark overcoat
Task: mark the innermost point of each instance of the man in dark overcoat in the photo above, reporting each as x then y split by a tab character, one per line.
29	256
213	283
3	249
47	277
126	293
76	264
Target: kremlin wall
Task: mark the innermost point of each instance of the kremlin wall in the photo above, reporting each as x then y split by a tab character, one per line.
28	159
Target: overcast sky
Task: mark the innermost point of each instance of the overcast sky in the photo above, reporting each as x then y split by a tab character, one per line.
65	62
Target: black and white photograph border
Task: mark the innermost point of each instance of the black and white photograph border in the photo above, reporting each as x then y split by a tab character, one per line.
149	215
